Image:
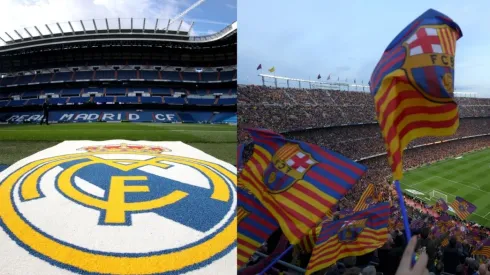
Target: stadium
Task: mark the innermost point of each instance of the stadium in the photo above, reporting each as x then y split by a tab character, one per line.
149	72
341	117
135	171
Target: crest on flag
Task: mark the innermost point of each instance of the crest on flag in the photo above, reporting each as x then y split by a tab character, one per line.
289	164
351	230
430	51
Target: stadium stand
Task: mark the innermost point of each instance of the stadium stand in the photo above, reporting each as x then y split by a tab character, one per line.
345	122
167	75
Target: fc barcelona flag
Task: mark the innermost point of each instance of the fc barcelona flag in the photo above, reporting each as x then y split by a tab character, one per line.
296	181
413	85
367	198
308	242
255	225
483	249
441	205
463	208
355	235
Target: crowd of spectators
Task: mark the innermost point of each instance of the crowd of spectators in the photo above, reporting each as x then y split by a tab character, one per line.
281	109
345	122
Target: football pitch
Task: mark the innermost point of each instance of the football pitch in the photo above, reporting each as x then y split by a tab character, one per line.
467	176
19	141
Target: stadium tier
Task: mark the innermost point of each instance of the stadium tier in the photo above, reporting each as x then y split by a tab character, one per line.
345	122
133	68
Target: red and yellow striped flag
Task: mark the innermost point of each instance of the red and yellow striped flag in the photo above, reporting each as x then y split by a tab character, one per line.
413	85
367	198
355	235
483	249
462	208
297	182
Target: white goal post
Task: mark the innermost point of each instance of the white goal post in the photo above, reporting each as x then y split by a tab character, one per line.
437	195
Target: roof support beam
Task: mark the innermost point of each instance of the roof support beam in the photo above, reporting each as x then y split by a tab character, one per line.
190	28
59	27
144	23
21	38
9	36
28	33
47	27
95	26
107	24
168	25
131	24
40	34
72	30
83	26
180	25
119	22
156	26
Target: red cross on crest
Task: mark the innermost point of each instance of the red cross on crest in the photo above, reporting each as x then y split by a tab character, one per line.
424	41
300	162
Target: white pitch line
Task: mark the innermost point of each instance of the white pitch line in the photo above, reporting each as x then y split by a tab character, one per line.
478	189
417	183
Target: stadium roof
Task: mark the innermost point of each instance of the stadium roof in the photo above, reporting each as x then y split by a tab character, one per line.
107	29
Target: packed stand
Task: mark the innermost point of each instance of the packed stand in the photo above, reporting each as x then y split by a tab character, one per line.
363	143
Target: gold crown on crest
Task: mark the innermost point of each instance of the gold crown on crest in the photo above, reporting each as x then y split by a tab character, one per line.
125	148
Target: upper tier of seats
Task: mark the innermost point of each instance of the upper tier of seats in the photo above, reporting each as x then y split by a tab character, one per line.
285	109
118	75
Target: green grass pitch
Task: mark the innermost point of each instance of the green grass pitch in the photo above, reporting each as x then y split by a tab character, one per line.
19	141
467	176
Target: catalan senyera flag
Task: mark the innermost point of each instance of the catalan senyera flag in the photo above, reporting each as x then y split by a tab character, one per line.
367	198
255	225
483	249
273	69
413	85
296	181
462	208
355	235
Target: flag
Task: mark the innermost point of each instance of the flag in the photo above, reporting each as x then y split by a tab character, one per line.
255	225
441	205
319	76
354	81
259	67
328	78
308	242
296	181
462	207
239	157
345	212
413	85
355	235
273	69
483	249
366	199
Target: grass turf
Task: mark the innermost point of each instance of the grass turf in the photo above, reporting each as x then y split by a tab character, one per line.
467	176
19	141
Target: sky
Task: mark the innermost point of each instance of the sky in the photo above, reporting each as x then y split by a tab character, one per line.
345	39
210	17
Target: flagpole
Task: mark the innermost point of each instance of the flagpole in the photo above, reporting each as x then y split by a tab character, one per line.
275	260
403	209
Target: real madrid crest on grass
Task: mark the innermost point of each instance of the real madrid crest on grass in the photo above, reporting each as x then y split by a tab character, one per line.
118	207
